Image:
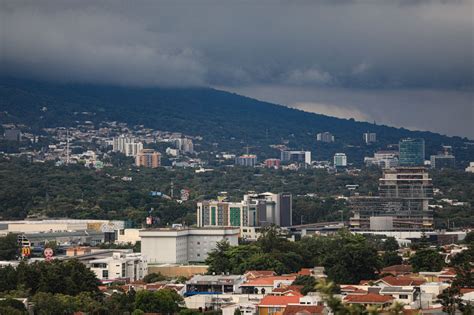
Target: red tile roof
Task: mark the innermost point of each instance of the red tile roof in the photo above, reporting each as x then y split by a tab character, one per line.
466	290
402	281
260	273
352	290
308	309
305	272
272	300
369	298
397	269
286	292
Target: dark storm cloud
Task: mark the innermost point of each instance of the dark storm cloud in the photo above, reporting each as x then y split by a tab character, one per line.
369	44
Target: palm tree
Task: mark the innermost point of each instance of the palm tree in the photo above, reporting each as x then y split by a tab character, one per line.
396	308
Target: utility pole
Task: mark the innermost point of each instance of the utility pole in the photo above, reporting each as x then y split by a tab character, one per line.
67	146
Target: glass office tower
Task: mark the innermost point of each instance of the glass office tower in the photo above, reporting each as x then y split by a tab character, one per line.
412	152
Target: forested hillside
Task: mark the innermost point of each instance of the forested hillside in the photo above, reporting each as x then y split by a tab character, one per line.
228	122
45	190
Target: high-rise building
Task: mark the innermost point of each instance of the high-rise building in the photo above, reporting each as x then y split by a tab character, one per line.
272	163
184	145
132	149
246	160
271	208
12	134
325	137
369	137
120	142
444	159
411	152
404	195
340	160
296	156
148	158
470	168
383	159
254	210
126	145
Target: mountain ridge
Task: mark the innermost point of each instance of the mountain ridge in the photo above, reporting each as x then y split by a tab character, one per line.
231	120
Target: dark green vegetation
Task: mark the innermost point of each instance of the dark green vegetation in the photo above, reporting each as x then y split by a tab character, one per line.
347	258
44	190
70	277
230	120
463	263
66	287
427	259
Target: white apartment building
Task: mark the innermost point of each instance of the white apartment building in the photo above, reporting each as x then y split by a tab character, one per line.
183	245
120	266
119	143
132	149
126	145
340	160
383	159
470	168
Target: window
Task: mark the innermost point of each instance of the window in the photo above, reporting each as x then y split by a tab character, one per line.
403	296
105	274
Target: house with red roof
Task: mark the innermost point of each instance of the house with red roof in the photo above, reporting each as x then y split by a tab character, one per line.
293	309
397	270
350	289
290	305
369	299
265	285
275	305
400	281
254	274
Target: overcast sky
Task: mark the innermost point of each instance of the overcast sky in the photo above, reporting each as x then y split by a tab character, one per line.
405	63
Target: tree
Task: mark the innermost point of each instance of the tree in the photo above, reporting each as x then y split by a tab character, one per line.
162	301
350	259
9	247
449	298
218	258
390	244
237	311
391	258
396	309
154	277
469	239
121	303
327	290
427	260
308	283
13	303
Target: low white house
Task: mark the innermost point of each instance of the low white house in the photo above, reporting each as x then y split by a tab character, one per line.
120	266
405	295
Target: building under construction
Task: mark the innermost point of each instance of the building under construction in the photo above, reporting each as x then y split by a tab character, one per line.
402	204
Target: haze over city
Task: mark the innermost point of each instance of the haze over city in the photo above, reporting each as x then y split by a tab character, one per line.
370	60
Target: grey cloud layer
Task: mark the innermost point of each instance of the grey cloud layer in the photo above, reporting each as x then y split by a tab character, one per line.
296	43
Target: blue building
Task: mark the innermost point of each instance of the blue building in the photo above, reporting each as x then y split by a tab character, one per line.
411	152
